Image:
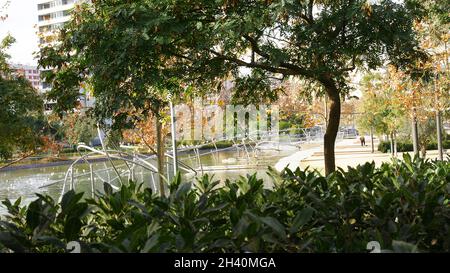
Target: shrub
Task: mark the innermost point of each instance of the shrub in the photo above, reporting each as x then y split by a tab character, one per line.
284	125
404	203
220	144
385	146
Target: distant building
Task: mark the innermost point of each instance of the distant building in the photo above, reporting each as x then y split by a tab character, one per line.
29	72
52	15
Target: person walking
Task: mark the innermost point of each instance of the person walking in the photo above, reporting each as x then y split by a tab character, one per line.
363	140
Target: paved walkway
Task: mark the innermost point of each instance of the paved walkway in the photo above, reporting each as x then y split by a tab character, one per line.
293	161
349	152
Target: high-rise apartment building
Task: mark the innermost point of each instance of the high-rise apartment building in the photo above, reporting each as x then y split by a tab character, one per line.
52	15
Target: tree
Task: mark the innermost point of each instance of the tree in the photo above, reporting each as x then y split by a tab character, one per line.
203	41
382	109
131	83
20	109
144	134
79	127
321	41
425	91
295	105
434	34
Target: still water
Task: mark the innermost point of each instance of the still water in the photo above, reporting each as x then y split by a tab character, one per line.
25	183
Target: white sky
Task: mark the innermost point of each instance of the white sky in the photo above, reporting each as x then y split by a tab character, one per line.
21	24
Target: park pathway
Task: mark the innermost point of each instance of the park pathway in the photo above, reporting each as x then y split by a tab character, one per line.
349	152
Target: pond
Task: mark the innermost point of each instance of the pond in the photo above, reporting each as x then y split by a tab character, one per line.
225	164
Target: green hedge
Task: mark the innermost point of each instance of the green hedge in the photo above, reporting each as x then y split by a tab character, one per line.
219	144
385	146
403	205
284	125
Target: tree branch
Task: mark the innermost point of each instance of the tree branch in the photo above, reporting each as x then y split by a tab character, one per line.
253	65
306	18
281	40
352	67
310	10
17	161
294	68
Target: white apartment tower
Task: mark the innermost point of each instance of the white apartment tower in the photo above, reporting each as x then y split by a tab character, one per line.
52	15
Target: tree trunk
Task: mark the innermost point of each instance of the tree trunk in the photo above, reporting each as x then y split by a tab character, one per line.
423	149
439	135
392	144
326	110
160	155
415	133
334	118
371	139
395	143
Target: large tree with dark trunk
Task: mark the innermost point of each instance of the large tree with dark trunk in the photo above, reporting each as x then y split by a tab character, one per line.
204	41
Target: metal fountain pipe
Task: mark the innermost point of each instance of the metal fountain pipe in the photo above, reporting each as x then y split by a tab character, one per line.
91	171
216	155
245	149
144	164
106	153
173	133
198	159
183	166
83	157
120	153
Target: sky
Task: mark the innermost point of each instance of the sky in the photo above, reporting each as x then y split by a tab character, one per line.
21	24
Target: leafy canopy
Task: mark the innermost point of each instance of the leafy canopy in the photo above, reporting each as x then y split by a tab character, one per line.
20	109
143	47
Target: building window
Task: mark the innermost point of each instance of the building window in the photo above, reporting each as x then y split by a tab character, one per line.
54	15
46	85
44	17
43	6
51	27
56	3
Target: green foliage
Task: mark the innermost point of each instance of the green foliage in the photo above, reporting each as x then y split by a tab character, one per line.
151	45
79	127
20	109
157	46
404	205
292	121
283	125
407	146
379	113
219	144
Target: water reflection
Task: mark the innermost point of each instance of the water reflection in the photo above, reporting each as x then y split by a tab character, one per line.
26	183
